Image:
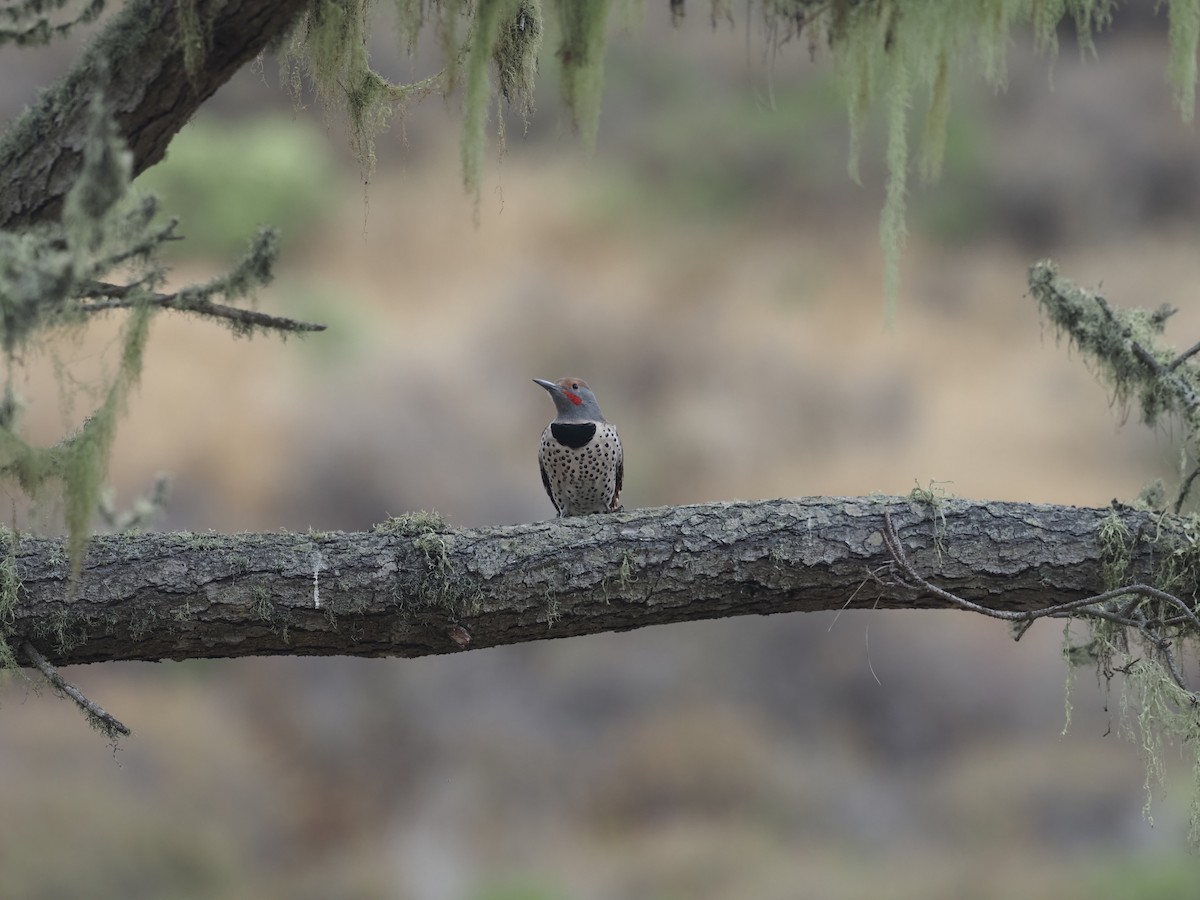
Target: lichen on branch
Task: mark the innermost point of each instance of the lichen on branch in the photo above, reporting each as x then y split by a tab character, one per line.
1150	639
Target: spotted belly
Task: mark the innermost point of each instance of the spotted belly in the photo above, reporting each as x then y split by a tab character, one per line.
582	467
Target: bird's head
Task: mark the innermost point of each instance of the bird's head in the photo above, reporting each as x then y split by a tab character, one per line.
573	400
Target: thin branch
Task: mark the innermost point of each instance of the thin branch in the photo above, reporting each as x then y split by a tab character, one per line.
1183	357
117	297
1185	489
1166	373
96	714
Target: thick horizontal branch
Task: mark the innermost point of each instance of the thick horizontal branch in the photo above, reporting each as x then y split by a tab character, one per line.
407	590
137	64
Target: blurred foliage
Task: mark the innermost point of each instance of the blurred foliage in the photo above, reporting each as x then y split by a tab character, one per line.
31	27
223	179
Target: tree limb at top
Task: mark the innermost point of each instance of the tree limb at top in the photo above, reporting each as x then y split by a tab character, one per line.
137	63
406	590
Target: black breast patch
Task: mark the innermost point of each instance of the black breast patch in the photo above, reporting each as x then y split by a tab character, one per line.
573	435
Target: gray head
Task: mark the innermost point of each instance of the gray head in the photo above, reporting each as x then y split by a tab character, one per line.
573	400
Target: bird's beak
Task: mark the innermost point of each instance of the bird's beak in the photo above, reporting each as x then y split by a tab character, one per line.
548	385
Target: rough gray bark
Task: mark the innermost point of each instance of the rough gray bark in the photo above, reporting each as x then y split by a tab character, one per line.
137	64
411	592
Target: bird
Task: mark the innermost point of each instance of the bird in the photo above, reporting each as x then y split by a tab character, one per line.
580	456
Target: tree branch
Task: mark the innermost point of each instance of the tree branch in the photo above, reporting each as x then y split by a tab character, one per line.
116	296
407	589
96	714
137	62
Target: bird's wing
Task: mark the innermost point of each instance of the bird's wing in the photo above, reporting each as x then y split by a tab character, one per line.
546	485
616	498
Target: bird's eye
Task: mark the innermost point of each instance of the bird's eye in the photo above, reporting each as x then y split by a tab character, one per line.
574	387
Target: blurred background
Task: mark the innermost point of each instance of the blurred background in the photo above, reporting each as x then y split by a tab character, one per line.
717	278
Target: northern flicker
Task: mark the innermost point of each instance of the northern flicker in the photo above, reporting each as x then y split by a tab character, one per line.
580	457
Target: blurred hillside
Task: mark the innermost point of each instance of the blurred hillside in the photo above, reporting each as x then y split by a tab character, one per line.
714	274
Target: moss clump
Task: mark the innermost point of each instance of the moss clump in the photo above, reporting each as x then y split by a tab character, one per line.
1179	558
933	497
437	584
1115	550
1124	347
10	587
413	524
518	42
262	607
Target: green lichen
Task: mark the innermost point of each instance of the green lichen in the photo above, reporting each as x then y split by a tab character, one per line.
518	43
1124	348
193	37
65	629
261	606
1178	548
1156	709
933	497
1116	547
413	524
1148	640
440	585
10	588
328	46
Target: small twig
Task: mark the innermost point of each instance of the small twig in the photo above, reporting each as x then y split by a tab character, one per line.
1168	663
1090	606
1183	357
1185	489
103	720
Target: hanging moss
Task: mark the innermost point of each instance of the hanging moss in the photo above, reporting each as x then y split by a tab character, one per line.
1185	35
518	42
329	45
581	55
1152	643
890	51
507	34
478	90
